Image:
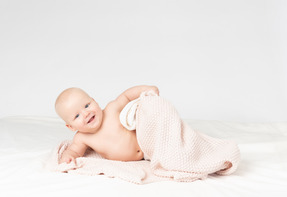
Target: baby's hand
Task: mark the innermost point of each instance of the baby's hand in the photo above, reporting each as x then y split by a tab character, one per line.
155	89
68	157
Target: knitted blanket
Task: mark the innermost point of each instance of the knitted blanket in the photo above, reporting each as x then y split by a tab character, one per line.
91	164
175	151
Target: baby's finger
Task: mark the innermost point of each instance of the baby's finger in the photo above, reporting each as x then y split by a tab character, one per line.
68	160
74	160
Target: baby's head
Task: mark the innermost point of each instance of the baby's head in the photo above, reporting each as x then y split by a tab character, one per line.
79	110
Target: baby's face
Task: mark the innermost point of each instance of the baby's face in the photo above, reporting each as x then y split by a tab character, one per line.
81	113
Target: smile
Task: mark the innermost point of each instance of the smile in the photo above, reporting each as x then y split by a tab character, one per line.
91	119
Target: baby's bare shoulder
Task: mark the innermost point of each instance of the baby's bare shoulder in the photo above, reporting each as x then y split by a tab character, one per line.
85	140
79	138
114	105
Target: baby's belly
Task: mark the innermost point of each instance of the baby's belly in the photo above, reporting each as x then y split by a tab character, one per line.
126	149
129	155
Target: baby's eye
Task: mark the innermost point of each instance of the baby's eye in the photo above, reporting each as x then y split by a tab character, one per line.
77	116
86	106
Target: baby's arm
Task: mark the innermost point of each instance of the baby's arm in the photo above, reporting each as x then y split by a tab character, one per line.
134	92
76	149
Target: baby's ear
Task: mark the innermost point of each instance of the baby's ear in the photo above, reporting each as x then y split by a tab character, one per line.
70	127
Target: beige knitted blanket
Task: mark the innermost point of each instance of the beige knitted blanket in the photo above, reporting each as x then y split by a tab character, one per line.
175	150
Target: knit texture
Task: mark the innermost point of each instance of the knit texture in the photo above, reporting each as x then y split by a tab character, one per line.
91	164
176	150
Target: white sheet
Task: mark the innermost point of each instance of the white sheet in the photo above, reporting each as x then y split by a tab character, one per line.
25	143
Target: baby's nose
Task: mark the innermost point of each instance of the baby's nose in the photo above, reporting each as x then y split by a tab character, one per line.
86	113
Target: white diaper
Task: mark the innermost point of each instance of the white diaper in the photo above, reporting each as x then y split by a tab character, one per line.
128	115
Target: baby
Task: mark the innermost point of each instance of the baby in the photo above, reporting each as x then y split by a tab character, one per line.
99	129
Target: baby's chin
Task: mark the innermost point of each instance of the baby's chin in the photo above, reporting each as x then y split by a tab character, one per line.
92	129
87	132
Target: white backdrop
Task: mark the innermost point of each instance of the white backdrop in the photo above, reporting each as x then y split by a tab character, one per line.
216	60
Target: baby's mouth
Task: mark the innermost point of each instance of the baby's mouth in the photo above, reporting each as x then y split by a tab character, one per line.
91	119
